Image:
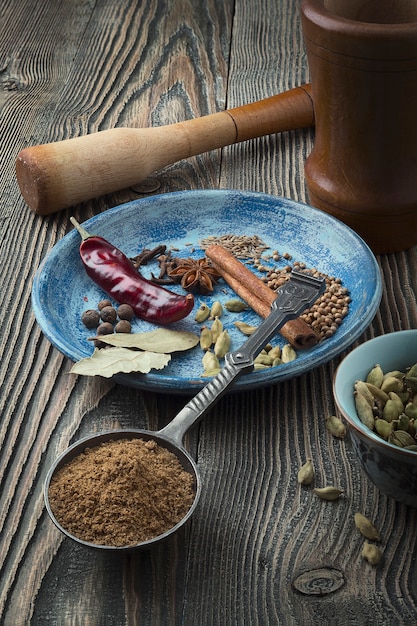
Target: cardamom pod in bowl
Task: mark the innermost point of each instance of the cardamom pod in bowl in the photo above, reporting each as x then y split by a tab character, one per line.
375	390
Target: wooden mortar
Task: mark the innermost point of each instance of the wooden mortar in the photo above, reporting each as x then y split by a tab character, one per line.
362	57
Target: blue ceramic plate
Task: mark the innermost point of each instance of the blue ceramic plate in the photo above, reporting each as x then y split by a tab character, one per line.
62	290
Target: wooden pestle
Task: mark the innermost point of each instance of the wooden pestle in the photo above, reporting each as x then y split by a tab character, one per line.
57	175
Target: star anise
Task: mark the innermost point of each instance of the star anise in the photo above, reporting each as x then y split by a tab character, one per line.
197	275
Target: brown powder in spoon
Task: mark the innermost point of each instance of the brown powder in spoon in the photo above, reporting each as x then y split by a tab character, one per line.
121	492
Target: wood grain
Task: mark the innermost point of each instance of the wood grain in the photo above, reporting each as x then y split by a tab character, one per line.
260	549
135	64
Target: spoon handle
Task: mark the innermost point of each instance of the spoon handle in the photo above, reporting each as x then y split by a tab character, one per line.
298	293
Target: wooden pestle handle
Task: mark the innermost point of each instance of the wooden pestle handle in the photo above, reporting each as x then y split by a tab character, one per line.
57	175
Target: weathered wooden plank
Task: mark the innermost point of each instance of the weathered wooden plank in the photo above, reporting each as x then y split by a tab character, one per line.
86	66
34	69
267	57
71	68
269	531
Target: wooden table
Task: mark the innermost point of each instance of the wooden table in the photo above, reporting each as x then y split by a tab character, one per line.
71	68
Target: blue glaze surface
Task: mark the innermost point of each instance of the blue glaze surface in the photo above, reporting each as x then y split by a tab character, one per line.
62	290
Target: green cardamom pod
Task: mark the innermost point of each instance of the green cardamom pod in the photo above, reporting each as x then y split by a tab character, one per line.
412	427
335	426
395	373
397	400
222	345
375	376
288	354
305	474
401	438
371	553
275	352
365	412
206	338
235	306
366	527
384	428
202	314
411	381
392	383
260	366
328	493
405	396
377	393
391	411
264	359
246	329
216	310
210	361
403	422
412	371
216	329
363	388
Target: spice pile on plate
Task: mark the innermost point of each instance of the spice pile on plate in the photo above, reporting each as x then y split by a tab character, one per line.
326	314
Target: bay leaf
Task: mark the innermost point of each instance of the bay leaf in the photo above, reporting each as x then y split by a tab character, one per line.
109	361
161	340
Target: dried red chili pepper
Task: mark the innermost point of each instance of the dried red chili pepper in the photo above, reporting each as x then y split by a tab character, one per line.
114	273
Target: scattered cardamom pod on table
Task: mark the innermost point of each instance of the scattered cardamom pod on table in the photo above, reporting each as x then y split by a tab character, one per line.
371	553
335	426
366	527
305	474
328	493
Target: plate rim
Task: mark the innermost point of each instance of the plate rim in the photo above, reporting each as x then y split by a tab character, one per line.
255	379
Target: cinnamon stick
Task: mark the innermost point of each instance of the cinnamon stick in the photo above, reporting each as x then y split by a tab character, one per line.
258	295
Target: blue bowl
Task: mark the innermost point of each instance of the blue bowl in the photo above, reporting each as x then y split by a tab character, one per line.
392	469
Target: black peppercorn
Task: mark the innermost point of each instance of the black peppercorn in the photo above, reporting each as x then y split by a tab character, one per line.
108	314
105	329
90	318
125	312
103	303
123	326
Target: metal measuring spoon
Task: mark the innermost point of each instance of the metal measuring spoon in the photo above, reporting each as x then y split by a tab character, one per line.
296	295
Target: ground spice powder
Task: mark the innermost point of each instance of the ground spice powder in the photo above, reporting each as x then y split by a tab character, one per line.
121	493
